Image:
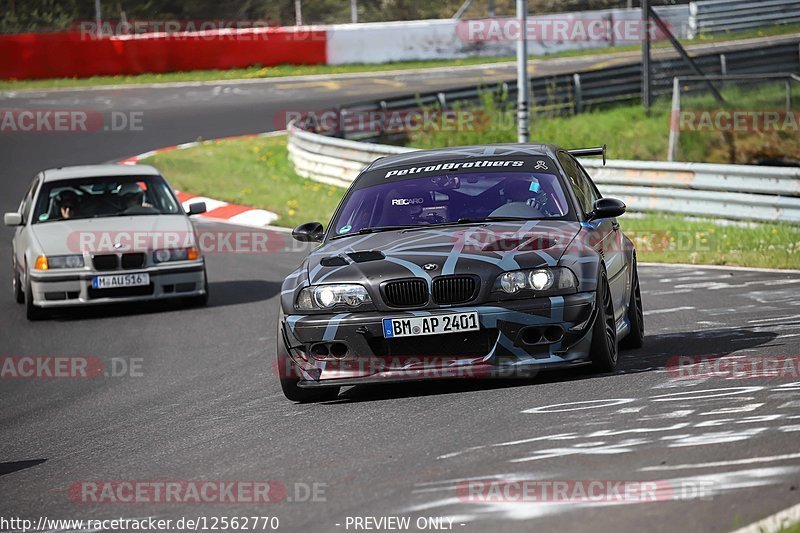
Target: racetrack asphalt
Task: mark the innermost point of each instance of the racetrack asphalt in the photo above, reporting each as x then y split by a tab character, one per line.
206	405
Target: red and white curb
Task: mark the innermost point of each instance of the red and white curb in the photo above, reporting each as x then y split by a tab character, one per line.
217	209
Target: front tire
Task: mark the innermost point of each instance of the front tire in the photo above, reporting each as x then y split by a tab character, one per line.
16	284
604	350
288	375
635	339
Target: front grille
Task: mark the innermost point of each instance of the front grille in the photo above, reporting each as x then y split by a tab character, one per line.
468	344
454	289
105	262
133	260
121	292
406	293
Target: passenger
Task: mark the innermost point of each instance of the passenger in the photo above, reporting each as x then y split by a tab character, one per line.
132	196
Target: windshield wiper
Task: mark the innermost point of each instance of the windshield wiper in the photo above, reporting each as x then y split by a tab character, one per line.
464	221
377	229
494	219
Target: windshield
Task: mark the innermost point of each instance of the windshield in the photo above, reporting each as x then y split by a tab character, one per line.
105	197
449	198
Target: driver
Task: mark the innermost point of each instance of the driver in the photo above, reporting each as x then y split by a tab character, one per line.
526	191
67	202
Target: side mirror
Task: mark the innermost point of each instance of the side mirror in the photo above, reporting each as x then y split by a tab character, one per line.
12	219
607	208
308	232
197	208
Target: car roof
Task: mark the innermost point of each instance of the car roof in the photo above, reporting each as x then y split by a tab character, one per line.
92	171
465	152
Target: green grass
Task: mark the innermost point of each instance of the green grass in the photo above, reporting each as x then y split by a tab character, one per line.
256	172
630	132
794	528
257	72
663	238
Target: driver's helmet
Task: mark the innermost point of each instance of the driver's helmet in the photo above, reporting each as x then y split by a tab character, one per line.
131	193
521	190
67	199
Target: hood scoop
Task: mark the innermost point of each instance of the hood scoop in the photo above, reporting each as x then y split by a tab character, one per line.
333	261
355	257
366	256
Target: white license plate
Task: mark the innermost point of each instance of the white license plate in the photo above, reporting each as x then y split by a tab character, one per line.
120	280
430	325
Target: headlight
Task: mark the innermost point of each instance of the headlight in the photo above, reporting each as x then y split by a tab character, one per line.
329	296
180	254
543	281
59	261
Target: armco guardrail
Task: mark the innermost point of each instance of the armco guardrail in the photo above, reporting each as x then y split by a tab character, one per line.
713	16
735	192
587	89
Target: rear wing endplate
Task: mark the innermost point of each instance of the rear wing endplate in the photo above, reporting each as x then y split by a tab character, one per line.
590	152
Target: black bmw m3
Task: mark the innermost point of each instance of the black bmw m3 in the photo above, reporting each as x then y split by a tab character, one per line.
460	262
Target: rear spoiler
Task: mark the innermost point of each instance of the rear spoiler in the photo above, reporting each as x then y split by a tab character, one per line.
590	152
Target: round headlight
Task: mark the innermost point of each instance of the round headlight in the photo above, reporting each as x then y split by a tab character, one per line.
540	280
162	255
355	296
326	297
512	282
74	261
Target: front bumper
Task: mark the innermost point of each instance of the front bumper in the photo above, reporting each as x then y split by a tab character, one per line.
56	288
505	345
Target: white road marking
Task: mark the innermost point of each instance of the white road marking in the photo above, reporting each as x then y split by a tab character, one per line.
671	310
578	406
774	319
728	410
680	413
715	464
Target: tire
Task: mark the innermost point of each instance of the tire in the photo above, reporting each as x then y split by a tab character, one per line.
604	350
16	284
635	338
286	372
32	312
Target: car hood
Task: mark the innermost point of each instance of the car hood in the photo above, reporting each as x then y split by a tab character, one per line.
484	250
133	233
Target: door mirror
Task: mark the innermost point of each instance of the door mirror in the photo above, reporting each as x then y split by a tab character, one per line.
607	208
12	219
197	208
308	232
